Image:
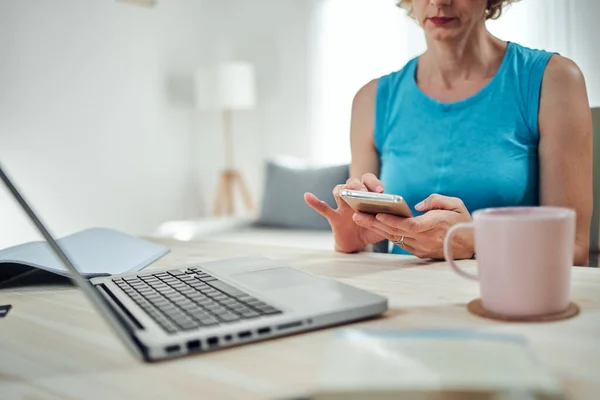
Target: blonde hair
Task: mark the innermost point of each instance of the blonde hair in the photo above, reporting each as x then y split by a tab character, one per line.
493	10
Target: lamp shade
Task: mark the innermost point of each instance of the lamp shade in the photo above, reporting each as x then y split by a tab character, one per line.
226	86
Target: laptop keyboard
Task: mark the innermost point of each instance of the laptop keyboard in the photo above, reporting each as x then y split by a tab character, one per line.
191	299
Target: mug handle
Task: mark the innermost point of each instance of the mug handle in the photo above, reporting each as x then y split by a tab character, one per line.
448	249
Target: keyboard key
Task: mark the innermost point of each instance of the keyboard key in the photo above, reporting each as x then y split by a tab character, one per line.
176	273
220	310
226	288
209	321
168	309
259	306
228	317
167	325
181	318
249	314
208	279
189	306
159	302
207	302
272	311
189	326
199	313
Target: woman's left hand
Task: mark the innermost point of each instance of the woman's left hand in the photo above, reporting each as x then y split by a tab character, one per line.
423	236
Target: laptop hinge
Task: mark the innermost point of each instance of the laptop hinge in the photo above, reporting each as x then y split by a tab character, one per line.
122	313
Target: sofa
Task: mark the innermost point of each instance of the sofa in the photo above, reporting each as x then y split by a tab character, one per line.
284	219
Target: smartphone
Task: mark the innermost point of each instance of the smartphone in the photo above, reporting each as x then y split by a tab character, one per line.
375	203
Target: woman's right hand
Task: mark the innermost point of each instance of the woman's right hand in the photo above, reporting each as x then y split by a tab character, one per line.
349	237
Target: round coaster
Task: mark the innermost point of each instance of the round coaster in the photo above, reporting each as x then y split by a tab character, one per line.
476	307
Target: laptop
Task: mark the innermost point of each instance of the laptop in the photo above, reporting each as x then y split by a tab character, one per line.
169	313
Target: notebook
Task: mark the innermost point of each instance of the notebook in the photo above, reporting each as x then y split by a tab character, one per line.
95	252
432	365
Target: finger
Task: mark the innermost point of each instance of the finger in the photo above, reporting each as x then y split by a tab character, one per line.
384	235
364	219
370	222
391	230
439	202
431	221
371	182
355	184
320	206
408	244
337	195
409	225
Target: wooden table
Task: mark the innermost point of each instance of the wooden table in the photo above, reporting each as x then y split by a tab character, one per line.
53	345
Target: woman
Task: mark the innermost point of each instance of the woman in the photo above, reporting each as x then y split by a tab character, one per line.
473	122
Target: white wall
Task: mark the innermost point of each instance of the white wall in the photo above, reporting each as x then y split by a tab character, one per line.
97	124
275	36
585	42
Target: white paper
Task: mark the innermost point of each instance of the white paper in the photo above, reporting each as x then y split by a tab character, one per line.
431	361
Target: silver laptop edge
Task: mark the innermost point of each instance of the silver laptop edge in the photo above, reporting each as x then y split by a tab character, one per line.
85	286
122	314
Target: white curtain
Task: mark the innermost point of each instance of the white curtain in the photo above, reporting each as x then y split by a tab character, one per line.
359	40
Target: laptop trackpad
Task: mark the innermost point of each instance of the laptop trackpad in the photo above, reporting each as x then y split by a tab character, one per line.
275	278
292	287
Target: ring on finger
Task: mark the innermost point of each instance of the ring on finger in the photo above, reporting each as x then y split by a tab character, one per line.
400	242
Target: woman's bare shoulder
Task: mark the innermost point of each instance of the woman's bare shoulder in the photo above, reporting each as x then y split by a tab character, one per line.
367	91
562	73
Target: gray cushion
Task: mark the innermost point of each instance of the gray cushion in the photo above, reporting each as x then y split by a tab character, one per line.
283	202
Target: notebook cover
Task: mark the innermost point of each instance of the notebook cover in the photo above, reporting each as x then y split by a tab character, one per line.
94	252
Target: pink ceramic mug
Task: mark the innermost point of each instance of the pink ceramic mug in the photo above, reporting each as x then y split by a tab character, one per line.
524	258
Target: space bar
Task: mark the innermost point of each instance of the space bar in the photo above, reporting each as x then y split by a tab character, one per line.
225	288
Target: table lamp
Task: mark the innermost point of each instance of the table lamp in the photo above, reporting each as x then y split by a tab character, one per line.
227	87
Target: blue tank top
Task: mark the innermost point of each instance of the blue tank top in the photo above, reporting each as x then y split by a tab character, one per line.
483	149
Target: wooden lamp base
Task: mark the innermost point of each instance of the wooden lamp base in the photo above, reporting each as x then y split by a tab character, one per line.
224	203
